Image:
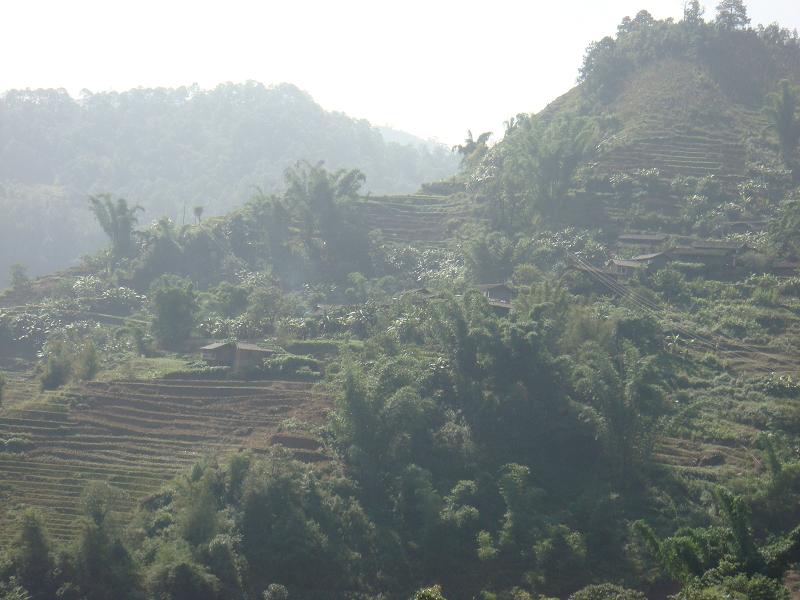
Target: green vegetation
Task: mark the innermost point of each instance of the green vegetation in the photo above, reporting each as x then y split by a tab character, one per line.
783	112
619	423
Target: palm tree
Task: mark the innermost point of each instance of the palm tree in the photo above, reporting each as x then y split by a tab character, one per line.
117	220
782	111
198	213
472	150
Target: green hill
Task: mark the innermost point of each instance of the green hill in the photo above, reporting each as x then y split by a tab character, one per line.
663	112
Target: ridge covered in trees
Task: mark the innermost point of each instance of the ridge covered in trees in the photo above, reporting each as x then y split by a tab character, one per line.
171	150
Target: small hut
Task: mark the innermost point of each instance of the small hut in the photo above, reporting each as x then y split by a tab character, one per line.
237	355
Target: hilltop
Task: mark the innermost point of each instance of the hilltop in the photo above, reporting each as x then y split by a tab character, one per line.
663	112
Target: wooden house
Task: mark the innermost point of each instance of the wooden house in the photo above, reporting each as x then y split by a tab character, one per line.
653	261
497	292
786	268
237	355
419	295
711	257
642	240
733	248
627	268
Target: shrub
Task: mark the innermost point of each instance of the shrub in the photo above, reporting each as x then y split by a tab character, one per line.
276	591
86	363
57	368
17	445
431	593
288	365
607	591
174	303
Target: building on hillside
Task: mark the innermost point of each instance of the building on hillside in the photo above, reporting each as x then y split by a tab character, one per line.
627	268
497	292
642	240
786	268
419	294
741	226
710	257
237	355
733	248
499	296
654	261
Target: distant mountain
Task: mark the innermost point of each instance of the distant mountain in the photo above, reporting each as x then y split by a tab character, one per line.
170	150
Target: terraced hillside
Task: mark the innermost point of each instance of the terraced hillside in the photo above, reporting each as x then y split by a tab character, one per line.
680	151
425	220
675	118
136	435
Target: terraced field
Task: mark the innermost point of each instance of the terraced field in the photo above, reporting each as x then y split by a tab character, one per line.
136	435
426	220
680	151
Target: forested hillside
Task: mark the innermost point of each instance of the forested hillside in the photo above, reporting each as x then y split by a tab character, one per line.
569	372
171	150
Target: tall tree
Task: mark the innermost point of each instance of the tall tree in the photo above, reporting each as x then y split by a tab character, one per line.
118	221
693	12
472	150
174	305
782	111
732	14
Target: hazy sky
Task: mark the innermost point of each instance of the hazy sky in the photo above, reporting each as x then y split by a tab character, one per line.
434	68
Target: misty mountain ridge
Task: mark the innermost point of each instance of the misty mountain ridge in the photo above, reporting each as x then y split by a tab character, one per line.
172	149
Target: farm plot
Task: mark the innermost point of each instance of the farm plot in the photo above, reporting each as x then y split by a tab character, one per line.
428	220
136	435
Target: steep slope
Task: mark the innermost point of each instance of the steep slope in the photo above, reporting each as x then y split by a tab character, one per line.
676	119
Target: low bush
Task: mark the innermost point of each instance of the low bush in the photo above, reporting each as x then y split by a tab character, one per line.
293	365
16	445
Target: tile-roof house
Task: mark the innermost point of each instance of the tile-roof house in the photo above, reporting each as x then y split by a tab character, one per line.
498	292
237	355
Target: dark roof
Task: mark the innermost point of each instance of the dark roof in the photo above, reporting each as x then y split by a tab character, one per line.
485	287
633	264
719	245
252	347
216	345
500	304
699	252
787	264
646	257
642	237
423	291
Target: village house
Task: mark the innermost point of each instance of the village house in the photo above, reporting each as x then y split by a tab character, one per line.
497	292
642	240
418	295
733	248
627	268
499	296
237	355
786	268
711	257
